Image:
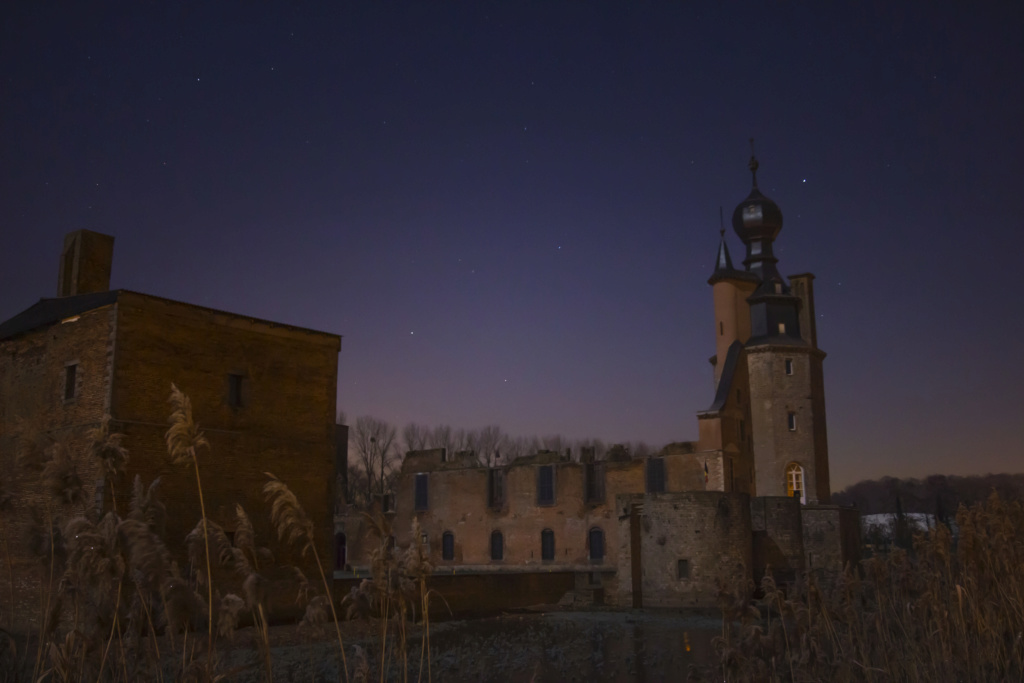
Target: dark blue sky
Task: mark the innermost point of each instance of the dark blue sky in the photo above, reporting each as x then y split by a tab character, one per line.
510	210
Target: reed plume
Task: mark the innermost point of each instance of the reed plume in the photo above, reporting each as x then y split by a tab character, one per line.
295	527
184	439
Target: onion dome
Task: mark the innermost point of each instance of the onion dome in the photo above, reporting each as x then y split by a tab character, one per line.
757	217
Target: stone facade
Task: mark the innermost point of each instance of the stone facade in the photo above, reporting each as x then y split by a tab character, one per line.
263	393
748	497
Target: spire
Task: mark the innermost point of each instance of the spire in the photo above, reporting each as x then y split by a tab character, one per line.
724	261
724	269
753	165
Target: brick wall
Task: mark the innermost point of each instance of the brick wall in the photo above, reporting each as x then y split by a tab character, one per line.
33	405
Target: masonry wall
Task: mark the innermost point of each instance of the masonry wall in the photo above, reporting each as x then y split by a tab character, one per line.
778	538
831	538
774	395
285	424
709	531
33	410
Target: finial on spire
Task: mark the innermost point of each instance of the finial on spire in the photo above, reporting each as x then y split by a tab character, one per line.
753	162
721	222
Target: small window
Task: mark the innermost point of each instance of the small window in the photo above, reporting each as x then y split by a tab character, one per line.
340	551
791	421
778	288
425	541
422	484
547	545
789	366
448	546
596	542
682	569
721	329
546	485
235	390
755	246
593	474
743	431
795	482
70	381
655	475
495	489
497	546
782	328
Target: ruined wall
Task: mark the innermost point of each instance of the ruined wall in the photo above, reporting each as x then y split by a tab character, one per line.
688	542
33	407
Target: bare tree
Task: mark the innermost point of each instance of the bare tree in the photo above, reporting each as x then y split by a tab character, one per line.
374	444
441	437
486	444
416	437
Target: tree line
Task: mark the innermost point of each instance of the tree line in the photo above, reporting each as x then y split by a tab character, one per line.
938	494
376	449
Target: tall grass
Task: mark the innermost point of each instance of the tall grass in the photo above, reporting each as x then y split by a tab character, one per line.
949	610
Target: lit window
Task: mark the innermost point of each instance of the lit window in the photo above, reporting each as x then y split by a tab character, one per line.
448	546
547	545
596	543
782	328
70	381
422	484
791	421
789	366
497	546
795	482
778	288
546	485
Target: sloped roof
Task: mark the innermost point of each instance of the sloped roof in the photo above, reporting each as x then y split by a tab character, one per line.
50	311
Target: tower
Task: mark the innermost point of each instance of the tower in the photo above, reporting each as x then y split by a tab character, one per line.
774	322
85	263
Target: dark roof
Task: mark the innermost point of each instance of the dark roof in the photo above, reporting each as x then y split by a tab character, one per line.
724	269
732	359
50	311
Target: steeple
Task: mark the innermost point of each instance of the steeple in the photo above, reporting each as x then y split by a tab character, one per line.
723	261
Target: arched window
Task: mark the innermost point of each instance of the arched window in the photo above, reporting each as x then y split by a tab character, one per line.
340	551
795	482
547	545
497	546
448	546
596	543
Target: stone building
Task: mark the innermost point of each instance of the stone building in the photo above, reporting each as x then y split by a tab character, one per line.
751	493
264	393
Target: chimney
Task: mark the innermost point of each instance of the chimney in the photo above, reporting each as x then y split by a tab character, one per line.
85	263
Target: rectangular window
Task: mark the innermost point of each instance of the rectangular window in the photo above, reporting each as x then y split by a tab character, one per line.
547	545
593	475
70	381
422	481
743	431
448	546
782	328
655	475
683	569
235	390
546	485
789	366
791	421
495	489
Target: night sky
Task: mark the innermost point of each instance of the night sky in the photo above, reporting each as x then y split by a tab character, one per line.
510	211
